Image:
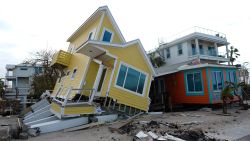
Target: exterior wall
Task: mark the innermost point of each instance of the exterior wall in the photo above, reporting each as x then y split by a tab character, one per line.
203	43
23	81
83	37
175	58
91	76
176	86
107	24
23	73
79	62
215	95
122	96
107	79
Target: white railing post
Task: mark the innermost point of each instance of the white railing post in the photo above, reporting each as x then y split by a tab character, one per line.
67	96
97	81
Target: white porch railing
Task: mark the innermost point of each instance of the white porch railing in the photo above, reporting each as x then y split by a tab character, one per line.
78	98
191	30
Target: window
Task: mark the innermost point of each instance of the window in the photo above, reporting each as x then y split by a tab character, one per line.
73	74
231	76
90	35
217	80
131	79
23	68
107	36
162	54
212	51
168	53
194	82
180	49
201	49
193	49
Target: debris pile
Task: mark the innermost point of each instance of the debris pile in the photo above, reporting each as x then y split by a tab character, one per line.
154	130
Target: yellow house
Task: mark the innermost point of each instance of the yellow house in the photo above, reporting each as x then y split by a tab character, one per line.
101	70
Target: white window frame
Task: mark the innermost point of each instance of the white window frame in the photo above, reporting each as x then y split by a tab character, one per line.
103	31
73	75
181	48
93	34
124	89
168	52
216	80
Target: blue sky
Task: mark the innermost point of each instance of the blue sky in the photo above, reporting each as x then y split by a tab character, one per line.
27	26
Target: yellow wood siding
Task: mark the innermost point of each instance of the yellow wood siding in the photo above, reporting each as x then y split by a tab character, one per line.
130	55
106	82
79	62
91	76
73	110
83	37
107	24
55	107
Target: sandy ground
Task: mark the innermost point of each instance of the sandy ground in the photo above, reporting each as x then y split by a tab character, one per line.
213	123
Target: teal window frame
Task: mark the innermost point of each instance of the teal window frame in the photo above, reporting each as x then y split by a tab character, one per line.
194	93
214	79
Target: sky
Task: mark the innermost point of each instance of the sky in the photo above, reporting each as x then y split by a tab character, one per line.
27	26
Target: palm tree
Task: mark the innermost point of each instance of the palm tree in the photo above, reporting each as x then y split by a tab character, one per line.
233	54
226	93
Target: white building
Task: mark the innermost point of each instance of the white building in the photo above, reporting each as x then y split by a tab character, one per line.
19	79
203	45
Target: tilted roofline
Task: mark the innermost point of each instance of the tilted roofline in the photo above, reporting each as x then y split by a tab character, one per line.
187	67
127	44
100	9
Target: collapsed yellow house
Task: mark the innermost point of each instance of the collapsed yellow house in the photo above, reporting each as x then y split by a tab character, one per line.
101	70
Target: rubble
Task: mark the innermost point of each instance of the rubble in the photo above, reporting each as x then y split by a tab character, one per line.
155	130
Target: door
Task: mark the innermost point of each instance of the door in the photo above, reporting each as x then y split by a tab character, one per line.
99	88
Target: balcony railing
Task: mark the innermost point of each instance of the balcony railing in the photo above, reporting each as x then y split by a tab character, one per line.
195	29
61	58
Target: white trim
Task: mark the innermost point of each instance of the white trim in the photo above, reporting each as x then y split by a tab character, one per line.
194	67
98	93
122	88
111	77
93	31
58	92
216	79
137	41
100	9
73	75
67	95
99	27
108	30
97	61
84	75
115	24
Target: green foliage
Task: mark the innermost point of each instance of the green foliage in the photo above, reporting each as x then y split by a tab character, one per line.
156	59
47	79
1	88
233	54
